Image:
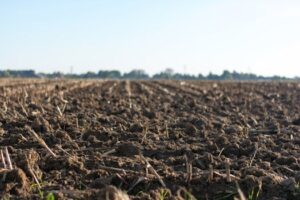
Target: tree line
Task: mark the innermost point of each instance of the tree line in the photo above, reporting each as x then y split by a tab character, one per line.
141	74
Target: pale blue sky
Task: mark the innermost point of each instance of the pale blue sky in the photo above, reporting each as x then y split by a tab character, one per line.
258	36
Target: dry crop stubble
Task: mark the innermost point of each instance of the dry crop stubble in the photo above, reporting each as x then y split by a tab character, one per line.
150	139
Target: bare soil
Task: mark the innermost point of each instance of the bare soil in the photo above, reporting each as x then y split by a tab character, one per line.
150	139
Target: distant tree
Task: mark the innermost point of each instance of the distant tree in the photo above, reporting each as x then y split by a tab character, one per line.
200	77
212	76
179	76
6	73
113	74
27	73
141	74
160	75
167	74
226	75
90	75
278	78
18	73
136	74
55	75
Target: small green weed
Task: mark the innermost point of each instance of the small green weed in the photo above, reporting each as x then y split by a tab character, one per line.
163	194
255	192
188	196
50	196
296	192
183	194
229	193
35	187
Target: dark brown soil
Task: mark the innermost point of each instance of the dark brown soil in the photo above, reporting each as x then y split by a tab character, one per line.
150	139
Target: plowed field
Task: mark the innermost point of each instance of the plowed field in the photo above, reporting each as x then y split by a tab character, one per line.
72	139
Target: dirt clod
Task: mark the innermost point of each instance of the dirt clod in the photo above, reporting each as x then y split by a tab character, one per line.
128	149
14	181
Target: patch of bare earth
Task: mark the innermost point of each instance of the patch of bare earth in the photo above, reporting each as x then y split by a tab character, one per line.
116	140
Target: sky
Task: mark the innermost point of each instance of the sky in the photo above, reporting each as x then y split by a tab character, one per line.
191	36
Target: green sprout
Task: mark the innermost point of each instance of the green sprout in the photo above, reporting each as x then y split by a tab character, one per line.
50	196
163	194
